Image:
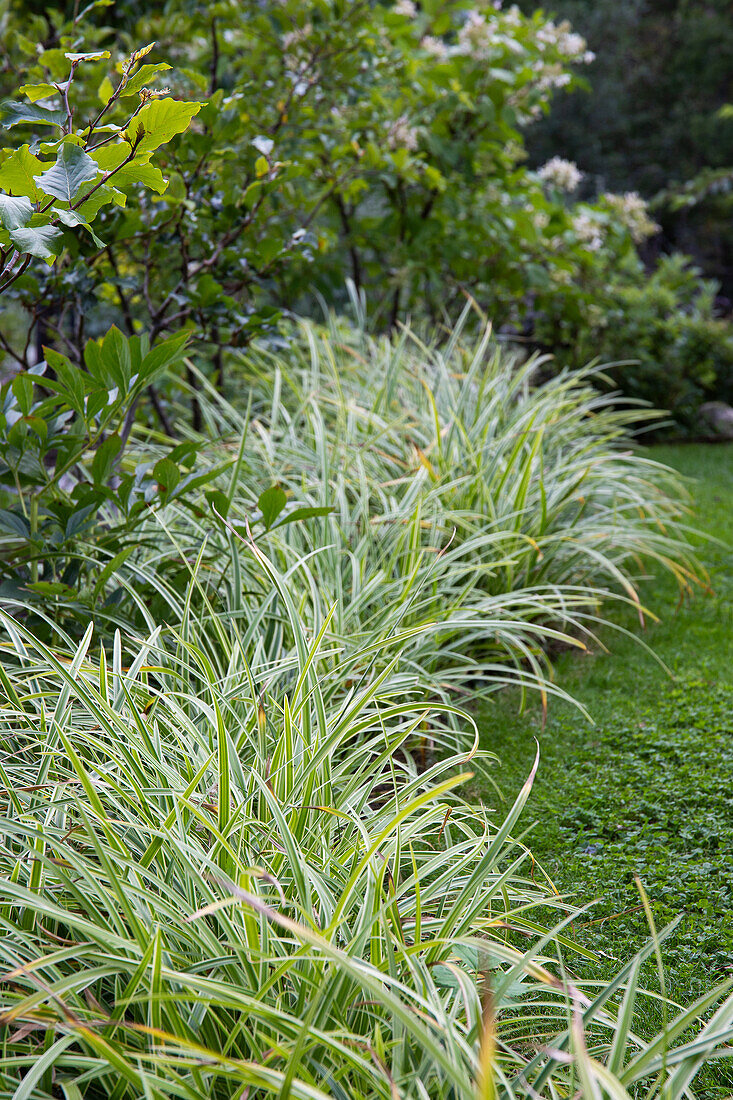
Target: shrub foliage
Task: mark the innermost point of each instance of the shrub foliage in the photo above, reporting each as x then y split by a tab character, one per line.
382	142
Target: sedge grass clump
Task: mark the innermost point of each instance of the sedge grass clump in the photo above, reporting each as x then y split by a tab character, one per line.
494	515
435	488
234	880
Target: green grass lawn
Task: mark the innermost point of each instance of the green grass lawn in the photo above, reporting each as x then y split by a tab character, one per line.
648	789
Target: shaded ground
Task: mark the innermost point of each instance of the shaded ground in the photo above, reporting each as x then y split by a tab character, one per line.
649	788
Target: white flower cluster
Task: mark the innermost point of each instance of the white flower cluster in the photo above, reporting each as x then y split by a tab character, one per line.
551	77
561	277
295	38
434	46
526	112
560	173
480	31
406	8
588	231
565	41
632	212
401	135
298	57
476	35
571	44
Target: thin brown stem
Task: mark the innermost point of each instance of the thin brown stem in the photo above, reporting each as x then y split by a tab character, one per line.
65	94
346	226
160	412
21	271
107	176
123	300
21	360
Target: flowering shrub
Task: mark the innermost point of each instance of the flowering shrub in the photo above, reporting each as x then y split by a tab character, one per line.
560	173
380	142
632	212
384	143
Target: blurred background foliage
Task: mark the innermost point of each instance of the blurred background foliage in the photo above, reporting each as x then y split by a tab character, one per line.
650	117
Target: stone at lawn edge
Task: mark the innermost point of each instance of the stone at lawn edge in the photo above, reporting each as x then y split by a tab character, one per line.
718	416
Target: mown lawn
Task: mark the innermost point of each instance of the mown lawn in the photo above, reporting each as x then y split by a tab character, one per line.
648	789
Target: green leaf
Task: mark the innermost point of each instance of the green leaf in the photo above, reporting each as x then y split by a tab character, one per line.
96	402
167	474
15	212
17	174
93	361
38	425
144	76
162	356
14	114
52	588
102	196
69	379
99	55
218	501
43	241
112	567
271	504
139	171
185	454
38	91
77	520
252	194
109	157
105	90
104	458
72	218
158	122
116	359
304	513
145	175
196	480
14	523
63	179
